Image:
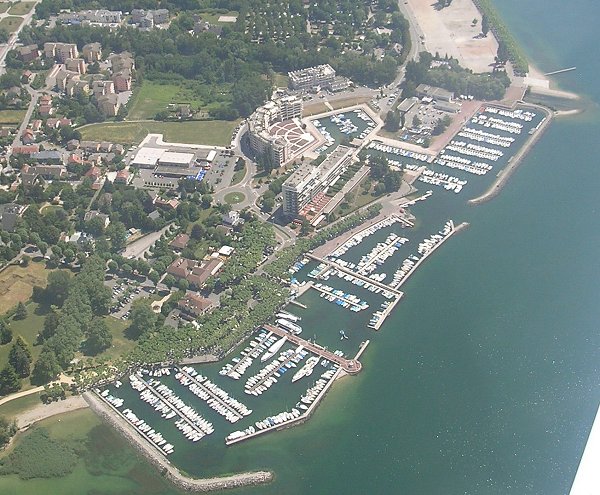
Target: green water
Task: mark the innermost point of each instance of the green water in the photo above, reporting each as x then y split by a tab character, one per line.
485	378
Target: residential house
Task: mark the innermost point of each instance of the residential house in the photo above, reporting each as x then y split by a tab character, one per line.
103	88
9	213
36	125
49	156
94	172
109	105
73	144
90	146
28	136
180	242
28	53
122	80
75	65
46	110
60	51
194	304
196	273
92	52
231	218
27	76
25	150
122	177
77	86
121	61
52	123
90	215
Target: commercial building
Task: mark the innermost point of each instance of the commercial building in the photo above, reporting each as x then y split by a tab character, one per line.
176	159
280	108
310	78
308	180
147	157
437	94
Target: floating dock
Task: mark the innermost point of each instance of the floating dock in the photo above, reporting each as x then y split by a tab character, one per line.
303	417
350	366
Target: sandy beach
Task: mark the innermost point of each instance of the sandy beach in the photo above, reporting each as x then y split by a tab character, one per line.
451	32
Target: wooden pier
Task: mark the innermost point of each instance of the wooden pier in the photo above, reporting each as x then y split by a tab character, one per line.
350	366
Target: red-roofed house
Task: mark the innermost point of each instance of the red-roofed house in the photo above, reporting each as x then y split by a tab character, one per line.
122	177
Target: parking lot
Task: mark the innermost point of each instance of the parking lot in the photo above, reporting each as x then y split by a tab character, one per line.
125	291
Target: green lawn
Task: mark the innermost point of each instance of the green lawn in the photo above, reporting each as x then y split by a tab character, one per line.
215	132
281	80
121	344
15	407
4	7
238	175
21	8
234	197
153	97
213	18
11	24
11	116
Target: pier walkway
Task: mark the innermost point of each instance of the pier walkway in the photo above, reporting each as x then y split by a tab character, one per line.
248	356
261	381
356	275
303	417
173	407
350	366
212	395
454	230
341	297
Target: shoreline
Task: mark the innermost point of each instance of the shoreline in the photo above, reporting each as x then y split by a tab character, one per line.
165	468
505	174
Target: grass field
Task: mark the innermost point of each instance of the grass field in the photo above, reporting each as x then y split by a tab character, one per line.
11	24
281	80
11	116
213	18
21	8
16	284
215	132
153	98
121	344
4	6
233	198
238	175
15	407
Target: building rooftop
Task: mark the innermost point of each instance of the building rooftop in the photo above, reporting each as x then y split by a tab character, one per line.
147	156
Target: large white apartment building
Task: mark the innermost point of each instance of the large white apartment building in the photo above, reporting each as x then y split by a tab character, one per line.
280	108
307	79
309	180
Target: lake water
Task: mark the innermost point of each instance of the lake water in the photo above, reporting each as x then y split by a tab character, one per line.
485	378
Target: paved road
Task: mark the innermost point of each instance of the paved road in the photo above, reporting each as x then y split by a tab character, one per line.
12	40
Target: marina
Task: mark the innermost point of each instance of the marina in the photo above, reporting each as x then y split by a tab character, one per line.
341	298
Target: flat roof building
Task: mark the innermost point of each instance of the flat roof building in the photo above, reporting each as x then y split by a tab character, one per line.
176	159
311	77
147	157
309	180
438	94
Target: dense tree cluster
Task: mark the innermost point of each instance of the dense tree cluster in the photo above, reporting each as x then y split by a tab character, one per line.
454	78
76	324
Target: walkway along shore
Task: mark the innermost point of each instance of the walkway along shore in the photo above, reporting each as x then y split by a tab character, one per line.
166	469
507	171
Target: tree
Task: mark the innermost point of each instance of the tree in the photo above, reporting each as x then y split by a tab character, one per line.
21	312
169	280
183	284
9	380
19	357
46	368
143	319
392	121
485	25
58	287
154	277
99	337
50	324
117	233
6	334
7	430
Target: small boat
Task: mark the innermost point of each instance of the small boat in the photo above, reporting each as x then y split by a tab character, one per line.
343	335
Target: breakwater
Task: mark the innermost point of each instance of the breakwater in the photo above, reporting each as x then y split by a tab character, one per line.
166	469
